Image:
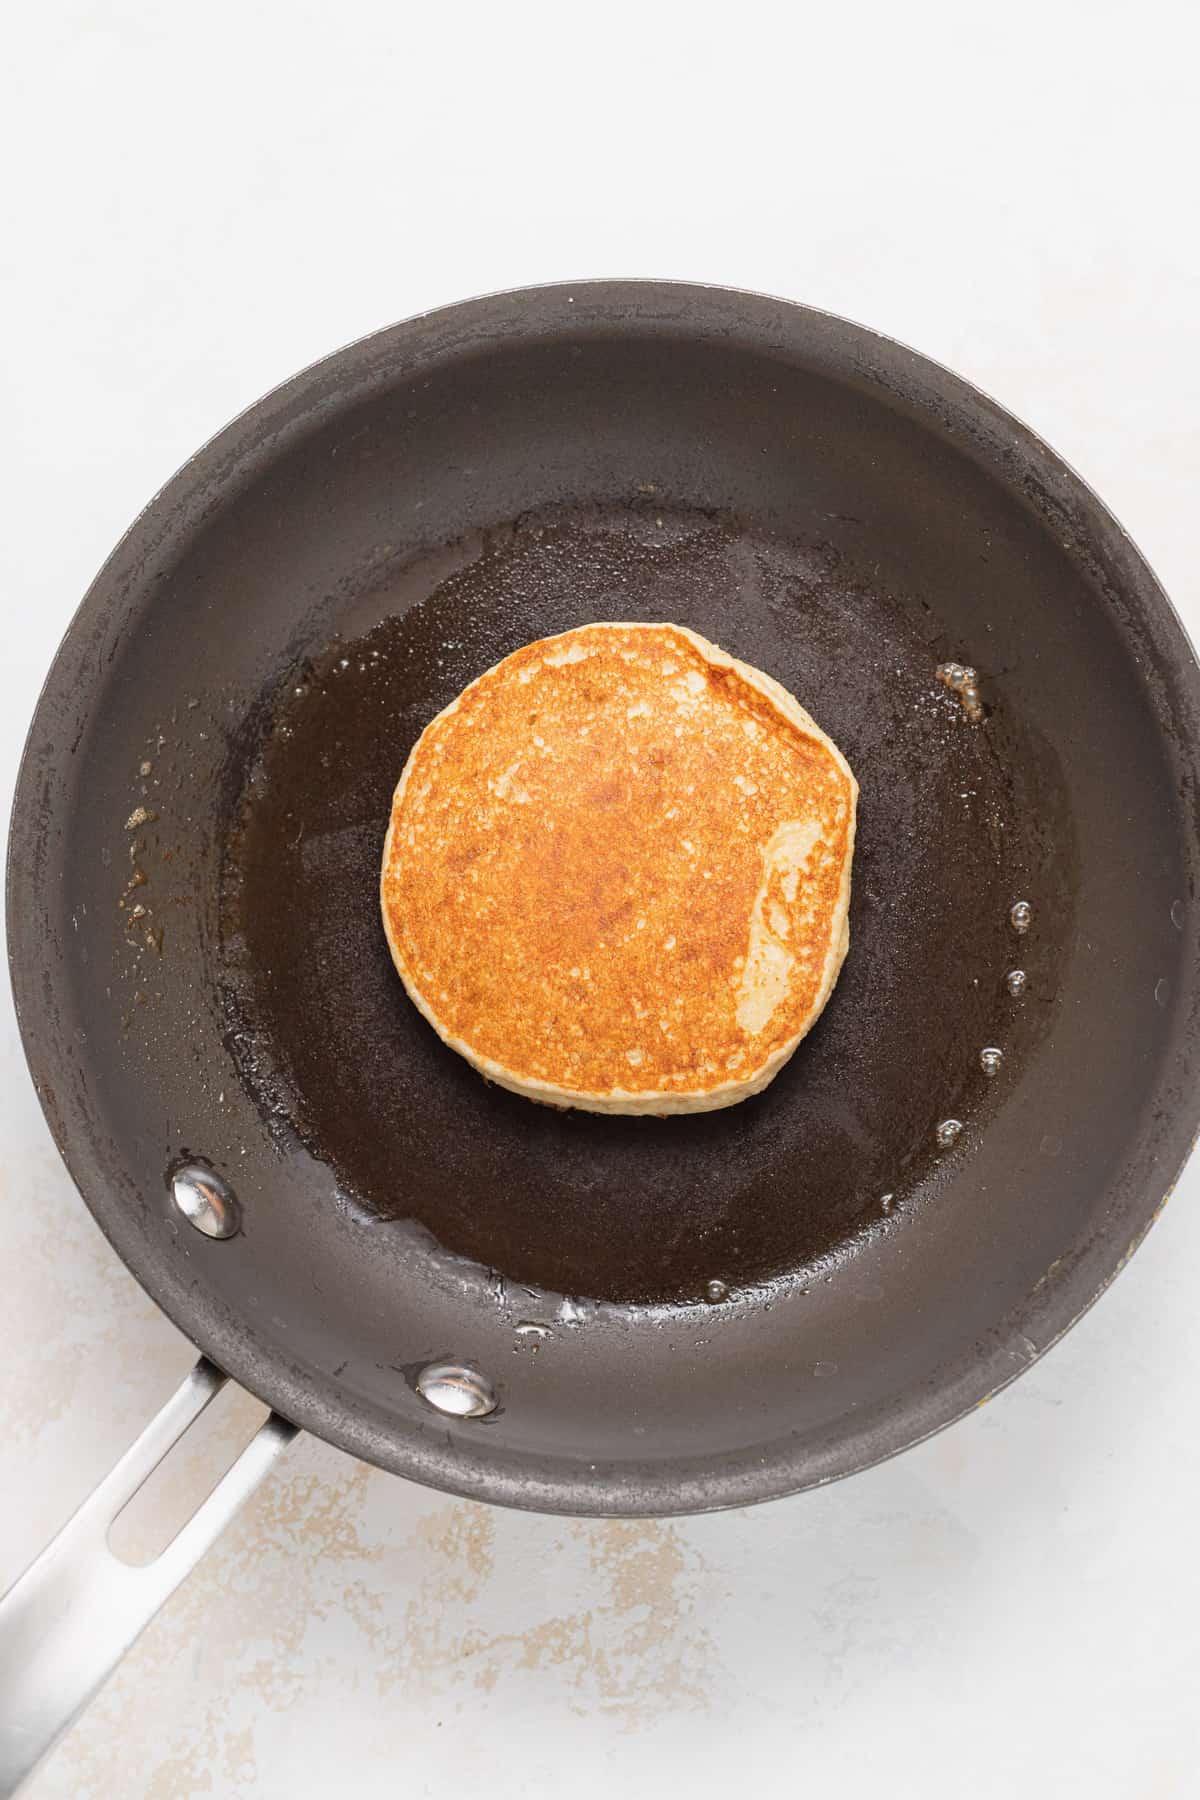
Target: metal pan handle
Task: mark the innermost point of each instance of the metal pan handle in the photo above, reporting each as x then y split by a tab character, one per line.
68	1621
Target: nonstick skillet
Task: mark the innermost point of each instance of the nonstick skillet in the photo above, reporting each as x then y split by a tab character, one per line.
554	1310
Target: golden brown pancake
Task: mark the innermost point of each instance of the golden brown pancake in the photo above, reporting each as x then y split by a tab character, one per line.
617	872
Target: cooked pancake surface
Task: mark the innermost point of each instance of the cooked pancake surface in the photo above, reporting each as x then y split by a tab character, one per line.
617	872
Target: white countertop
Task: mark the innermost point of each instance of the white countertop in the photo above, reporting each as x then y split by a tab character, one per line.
206	199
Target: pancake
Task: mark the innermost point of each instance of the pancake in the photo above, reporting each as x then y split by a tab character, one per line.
617	872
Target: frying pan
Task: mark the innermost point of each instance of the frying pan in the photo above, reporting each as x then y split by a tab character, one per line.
554	1310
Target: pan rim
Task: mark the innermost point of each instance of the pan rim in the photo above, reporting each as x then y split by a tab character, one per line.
980	1371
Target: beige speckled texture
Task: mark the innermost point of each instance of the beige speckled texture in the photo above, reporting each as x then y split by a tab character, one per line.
512	916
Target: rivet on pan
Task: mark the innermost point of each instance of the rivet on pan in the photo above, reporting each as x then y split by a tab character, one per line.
990	1060
716	1291
456	1389
948	1132
1015	982
1021	916
206	1201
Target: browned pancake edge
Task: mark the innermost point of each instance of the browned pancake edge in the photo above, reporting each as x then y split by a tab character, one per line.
616	874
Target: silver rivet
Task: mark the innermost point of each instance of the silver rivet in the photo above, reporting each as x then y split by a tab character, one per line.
948	1132
1015	982
990	1060
456	1389
206	1201
1021	916
716	1291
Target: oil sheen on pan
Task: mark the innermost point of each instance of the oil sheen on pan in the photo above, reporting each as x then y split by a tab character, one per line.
956	821
617	872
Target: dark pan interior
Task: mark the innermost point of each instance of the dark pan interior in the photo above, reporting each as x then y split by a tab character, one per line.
958	821
818	501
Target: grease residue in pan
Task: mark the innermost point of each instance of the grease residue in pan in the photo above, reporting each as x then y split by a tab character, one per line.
957	819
